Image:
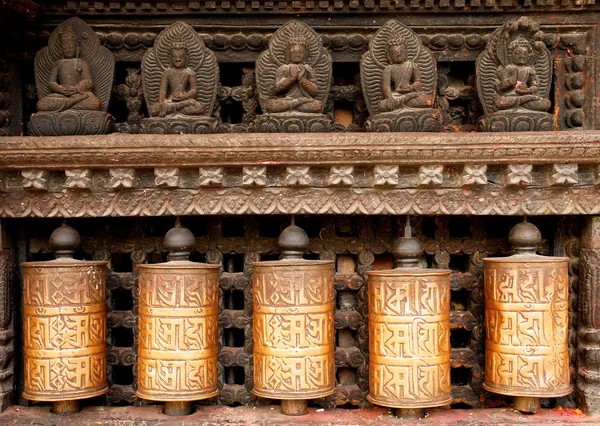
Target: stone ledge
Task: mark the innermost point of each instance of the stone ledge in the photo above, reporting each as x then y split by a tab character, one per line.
269	415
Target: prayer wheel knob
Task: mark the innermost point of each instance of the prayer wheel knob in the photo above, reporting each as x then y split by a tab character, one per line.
64	240
407	251
525	238
293	240
179	241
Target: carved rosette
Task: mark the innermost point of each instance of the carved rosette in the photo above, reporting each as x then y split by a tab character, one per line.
178	331
409	338
64	330
293	327
526	315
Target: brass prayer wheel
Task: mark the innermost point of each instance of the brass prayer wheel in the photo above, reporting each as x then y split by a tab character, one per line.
293	326
409	333
178	327
64	326
526	317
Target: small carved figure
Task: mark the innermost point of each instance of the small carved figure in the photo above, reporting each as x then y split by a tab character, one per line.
517	84
402	85
514	75
178	87
295	83
293	79
74	76
71	81
180	79
399	80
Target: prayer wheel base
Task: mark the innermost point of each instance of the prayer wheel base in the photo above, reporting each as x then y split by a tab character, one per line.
409	413
294	407
178	408
527	404
65	408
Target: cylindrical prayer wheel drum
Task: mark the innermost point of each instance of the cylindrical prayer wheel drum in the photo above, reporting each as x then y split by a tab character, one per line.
526	317
409	333
178	328
64	326
293	326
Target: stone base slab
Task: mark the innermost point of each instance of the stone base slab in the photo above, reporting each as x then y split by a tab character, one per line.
71	123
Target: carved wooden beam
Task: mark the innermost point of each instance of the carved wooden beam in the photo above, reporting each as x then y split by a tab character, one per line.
26	8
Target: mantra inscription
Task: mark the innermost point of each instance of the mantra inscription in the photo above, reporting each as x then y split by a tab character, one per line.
409	338
64	330
178	331
526	317
293	328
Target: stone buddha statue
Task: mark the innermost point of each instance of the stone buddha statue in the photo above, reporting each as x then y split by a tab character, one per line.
180	79
517	84
178	87
293	78
71	82
295	83
74	79
401	81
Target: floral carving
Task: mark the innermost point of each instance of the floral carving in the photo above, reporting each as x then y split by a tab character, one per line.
122	178
78	178
254	175
341	175
519	174
166	177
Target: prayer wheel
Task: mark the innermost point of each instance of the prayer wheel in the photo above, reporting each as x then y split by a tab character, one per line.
293	326
409	333
526	317
178	327
64	326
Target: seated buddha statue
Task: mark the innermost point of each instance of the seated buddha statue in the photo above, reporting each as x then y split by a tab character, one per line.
178	87
70	81
295	83
517	84
401	81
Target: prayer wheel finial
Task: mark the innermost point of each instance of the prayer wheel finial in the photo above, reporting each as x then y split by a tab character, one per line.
526	312
64	326
409	333
293	325
178	327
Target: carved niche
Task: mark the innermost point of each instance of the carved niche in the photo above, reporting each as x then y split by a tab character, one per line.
399	78
180	77
74	76
293	77
514	75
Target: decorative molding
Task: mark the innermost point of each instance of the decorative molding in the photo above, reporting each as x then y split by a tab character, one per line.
35	179
386	175
475	174
254	176
341	175
297	175
78	178
431	175
18	153
519	174
564	174
166	177
122	178
344	201
210	176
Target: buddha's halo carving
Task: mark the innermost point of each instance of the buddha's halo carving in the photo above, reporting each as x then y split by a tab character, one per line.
180	79
514	78
74	76
294	78
399	78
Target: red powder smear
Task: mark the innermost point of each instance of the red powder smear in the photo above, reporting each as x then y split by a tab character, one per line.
568	411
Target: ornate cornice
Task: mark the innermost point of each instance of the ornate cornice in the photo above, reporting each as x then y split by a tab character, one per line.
351	173
403	149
